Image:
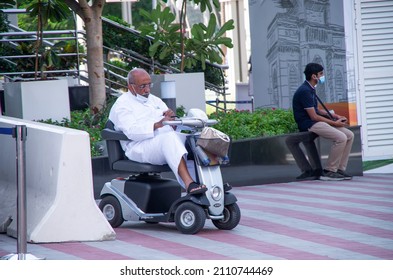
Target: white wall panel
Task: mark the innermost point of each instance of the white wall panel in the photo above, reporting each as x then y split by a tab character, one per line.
375	45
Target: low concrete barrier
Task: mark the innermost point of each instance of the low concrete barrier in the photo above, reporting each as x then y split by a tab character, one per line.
59	185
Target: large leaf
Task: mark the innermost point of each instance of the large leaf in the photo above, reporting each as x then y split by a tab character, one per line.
203	4
211	27
165	51
204	43
54	10
197	32
153	48
146	14
229	25
224	41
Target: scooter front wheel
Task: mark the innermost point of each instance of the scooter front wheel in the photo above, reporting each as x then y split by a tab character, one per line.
231	217
189	218
111	209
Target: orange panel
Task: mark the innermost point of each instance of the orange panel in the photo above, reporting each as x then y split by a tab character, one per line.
344	109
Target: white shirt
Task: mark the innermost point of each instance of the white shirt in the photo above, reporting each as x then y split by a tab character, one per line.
136	119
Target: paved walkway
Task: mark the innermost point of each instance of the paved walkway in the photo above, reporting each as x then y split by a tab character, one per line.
300	220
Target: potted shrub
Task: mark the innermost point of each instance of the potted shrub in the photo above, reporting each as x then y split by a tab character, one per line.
40	98
203	44
186	52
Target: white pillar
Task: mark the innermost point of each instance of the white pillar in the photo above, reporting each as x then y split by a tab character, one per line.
168	94
126	12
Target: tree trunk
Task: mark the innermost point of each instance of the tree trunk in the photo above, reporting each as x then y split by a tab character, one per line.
91	15
95	63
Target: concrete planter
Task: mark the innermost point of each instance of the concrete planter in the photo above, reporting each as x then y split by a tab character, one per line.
189	87
256	161
267	160
79	97
37	100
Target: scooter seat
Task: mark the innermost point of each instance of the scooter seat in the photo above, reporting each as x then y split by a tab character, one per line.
137	167
118	160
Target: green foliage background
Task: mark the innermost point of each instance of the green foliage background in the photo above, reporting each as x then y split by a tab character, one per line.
262	122
237	124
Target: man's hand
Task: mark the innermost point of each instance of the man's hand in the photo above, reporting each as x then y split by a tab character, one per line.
341	122
168	115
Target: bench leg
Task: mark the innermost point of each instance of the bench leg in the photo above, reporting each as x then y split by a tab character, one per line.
305	165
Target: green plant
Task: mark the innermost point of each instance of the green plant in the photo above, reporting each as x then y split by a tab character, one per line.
120	69
133	42
237	124
262	122
44	11
169	37
5	49
121	39
180	111
50	59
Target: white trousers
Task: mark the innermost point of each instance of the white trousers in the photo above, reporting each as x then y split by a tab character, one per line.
164	148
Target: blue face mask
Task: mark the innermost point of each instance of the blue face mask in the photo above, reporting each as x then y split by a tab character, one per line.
321	80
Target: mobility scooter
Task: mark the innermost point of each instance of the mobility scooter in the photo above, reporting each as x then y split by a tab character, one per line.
147	196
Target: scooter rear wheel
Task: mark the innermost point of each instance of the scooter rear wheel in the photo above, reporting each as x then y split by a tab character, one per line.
189	218
231	217
111	209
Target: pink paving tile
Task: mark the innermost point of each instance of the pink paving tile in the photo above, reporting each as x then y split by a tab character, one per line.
83	251
323	220
180	250
320	205
261	246
287	191
319	238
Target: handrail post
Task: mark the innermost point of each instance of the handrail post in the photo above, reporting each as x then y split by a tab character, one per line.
19	132
20	136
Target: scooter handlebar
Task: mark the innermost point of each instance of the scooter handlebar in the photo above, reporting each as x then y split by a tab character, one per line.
191	122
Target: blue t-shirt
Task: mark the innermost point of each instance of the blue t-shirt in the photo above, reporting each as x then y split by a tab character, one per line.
303	98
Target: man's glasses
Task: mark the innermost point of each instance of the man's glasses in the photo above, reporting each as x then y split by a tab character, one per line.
150	85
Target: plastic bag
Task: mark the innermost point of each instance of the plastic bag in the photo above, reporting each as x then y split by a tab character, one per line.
214	141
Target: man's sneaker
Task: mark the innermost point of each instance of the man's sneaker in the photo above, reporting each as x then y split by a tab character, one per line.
309	175
331	176
346	175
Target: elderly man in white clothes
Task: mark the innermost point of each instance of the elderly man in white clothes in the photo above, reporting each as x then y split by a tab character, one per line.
140	116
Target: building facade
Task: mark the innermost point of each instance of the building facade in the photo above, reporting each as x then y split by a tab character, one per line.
352	39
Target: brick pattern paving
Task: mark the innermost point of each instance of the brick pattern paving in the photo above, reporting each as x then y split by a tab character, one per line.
294	221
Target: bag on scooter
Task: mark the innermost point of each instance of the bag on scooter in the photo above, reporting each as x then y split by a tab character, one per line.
214	141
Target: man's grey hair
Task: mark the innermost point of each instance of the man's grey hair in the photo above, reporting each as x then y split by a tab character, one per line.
130	77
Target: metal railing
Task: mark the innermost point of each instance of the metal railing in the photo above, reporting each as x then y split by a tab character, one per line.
115	76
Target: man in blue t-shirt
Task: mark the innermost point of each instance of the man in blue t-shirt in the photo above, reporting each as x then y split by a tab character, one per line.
309	118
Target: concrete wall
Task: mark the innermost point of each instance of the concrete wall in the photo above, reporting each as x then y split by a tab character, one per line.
190	89
34	100
60	200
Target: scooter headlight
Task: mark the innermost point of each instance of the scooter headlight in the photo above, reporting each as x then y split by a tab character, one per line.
216	193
